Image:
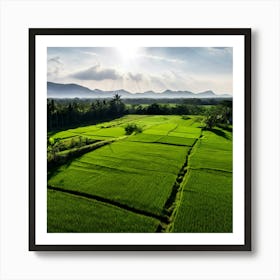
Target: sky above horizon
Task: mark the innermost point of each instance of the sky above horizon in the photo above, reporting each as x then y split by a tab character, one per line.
194	69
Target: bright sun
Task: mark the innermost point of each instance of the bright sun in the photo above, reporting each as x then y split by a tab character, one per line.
128	54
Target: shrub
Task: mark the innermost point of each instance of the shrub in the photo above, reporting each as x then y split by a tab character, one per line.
131	127
210	121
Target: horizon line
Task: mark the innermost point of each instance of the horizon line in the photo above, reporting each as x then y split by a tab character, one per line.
168	89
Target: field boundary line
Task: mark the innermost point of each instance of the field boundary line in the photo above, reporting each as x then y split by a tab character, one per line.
171	130
111	202
211	169
162	143
174	200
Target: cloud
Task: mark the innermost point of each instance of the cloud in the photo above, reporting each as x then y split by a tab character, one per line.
219	51
55	60
157	82
97	73
89	53
55	66
161	58
135	77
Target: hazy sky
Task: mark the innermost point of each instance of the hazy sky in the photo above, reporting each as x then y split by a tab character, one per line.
143	69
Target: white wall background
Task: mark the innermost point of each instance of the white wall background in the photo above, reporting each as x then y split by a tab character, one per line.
16	262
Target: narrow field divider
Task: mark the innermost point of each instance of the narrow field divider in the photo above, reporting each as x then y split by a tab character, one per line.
69	155
172	202
162	219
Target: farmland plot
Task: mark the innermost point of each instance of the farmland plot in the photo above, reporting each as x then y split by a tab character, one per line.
169	130
137	174
213	151
68	213
99	131
155	128
133	178
206	203
206	198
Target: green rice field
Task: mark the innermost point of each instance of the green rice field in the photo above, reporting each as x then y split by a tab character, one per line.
171	177
68	213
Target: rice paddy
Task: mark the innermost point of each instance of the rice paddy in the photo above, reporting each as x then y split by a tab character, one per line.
126	185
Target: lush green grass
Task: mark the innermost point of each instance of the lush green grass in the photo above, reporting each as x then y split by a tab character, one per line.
165	139
151	125
108	132
161	129
206	199
217	139
68	213
139	171
177	140
212	159
168	129
213	151
140	175
206	203
105	129
143	137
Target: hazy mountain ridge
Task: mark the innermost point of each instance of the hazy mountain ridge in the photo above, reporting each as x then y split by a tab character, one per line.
56	90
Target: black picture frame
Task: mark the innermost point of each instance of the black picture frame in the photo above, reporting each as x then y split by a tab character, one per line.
246	32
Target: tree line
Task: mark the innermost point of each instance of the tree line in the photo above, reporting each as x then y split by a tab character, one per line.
66	113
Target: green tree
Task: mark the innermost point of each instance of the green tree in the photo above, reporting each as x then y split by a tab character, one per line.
131	127
117	107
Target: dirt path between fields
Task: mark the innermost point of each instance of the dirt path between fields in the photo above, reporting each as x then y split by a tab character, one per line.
172	202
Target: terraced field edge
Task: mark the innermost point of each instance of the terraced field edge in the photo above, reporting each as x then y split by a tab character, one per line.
162	219
172	202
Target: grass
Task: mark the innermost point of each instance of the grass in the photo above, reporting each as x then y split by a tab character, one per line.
206	199
139	171
151	125
137	174
104	129
143	137
165	139
68	213
176	140
206	203
213	151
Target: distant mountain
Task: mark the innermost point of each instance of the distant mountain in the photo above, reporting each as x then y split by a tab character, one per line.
56	90
225	95
178	94
206	94
67	90
149	92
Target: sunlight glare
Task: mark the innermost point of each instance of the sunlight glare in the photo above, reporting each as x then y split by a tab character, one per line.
128	54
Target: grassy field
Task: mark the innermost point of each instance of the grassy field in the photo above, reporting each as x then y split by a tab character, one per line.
127	185
100	131
206	203
214	151
206	199
137	174
68	213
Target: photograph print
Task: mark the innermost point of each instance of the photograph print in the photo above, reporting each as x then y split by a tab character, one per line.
139	139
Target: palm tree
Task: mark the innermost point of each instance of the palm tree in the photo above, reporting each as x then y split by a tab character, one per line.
117	98
116	104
